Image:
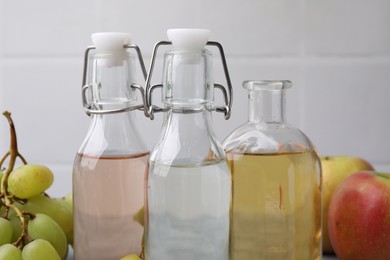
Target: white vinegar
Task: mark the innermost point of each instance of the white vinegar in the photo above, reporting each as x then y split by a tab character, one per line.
188	212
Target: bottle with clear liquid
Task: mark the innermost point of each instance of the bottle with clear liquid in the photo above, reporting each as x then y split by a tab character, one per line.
276	205
188	182
109	169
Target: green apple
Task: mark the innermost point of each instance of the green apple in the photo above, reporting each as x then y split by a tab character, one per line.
359	217
334	170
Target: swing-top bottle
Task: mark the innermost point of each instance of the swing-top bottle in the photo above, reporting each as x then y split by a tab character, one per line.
109	170
189	183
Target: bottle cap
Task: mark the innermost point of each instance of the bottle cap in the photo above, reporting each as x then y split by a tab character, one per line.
111	46
110	41
188	39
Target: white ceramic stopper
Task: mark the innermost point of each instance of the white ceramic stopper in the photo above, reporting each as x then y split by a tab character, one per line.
111	44
188	39
110	41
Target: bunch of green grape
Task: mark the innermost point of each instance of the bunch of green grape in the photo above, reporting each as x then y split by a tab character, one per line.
33	226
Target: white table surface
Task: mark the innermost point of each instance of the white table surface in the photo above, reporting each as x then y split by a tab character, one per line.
326	257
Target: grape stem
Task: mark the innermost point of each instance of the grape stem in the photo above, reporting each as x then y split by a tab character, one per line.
20	241
13	154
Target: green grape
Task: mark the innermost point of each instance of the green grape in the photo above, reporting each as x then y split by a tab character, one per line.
29	180
15	222
39	249
16	228
44	227
10	252
69	238
69	199
130	257
64	202
54	209
5	231
139	216
67	202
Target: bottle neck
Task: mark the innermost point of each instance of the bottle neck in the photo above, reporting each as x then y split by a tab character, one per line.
119	123
110	98
113	135
187	136
187	78
267	106
110	78
187	139
189	127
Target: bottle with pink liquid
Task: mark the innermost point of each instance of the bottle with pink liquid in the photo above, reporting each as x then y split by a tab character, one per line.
109	169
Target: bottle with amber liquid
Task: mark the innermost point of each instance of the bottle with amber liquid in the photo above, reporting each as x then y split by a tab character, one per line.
276	176
109	169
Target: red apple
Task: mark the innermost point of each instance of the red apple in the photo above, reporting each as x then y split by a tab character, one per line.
359	217
335	169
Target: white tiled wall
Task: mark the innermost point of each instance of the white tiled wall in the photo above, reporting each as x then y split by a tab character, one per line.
337	53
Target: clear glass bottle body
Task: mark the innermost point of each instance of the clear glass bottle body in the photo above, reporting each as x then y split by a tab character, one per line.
109	169
189	182
276	205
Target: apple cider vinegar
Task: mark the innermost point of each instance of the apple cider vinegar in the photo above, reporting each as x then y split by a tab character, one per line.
277	184
275	212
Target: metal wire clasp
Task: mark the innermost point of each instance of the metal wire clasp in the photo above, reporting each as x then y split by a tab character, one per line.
228	94
88	108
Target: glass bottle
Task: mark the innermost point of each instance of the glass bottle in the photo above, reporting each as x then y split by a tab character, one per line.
276	205
189	182
109	169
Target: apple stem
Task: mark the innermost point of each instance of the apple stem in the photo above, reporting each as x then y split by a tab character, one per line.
384	175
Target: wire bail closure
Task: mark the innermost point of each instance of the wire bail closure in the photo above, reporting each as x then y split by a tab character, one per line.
88	107
150	109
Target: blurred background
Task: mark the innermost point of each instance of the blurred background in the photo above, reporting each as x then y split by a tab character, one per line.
336	53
